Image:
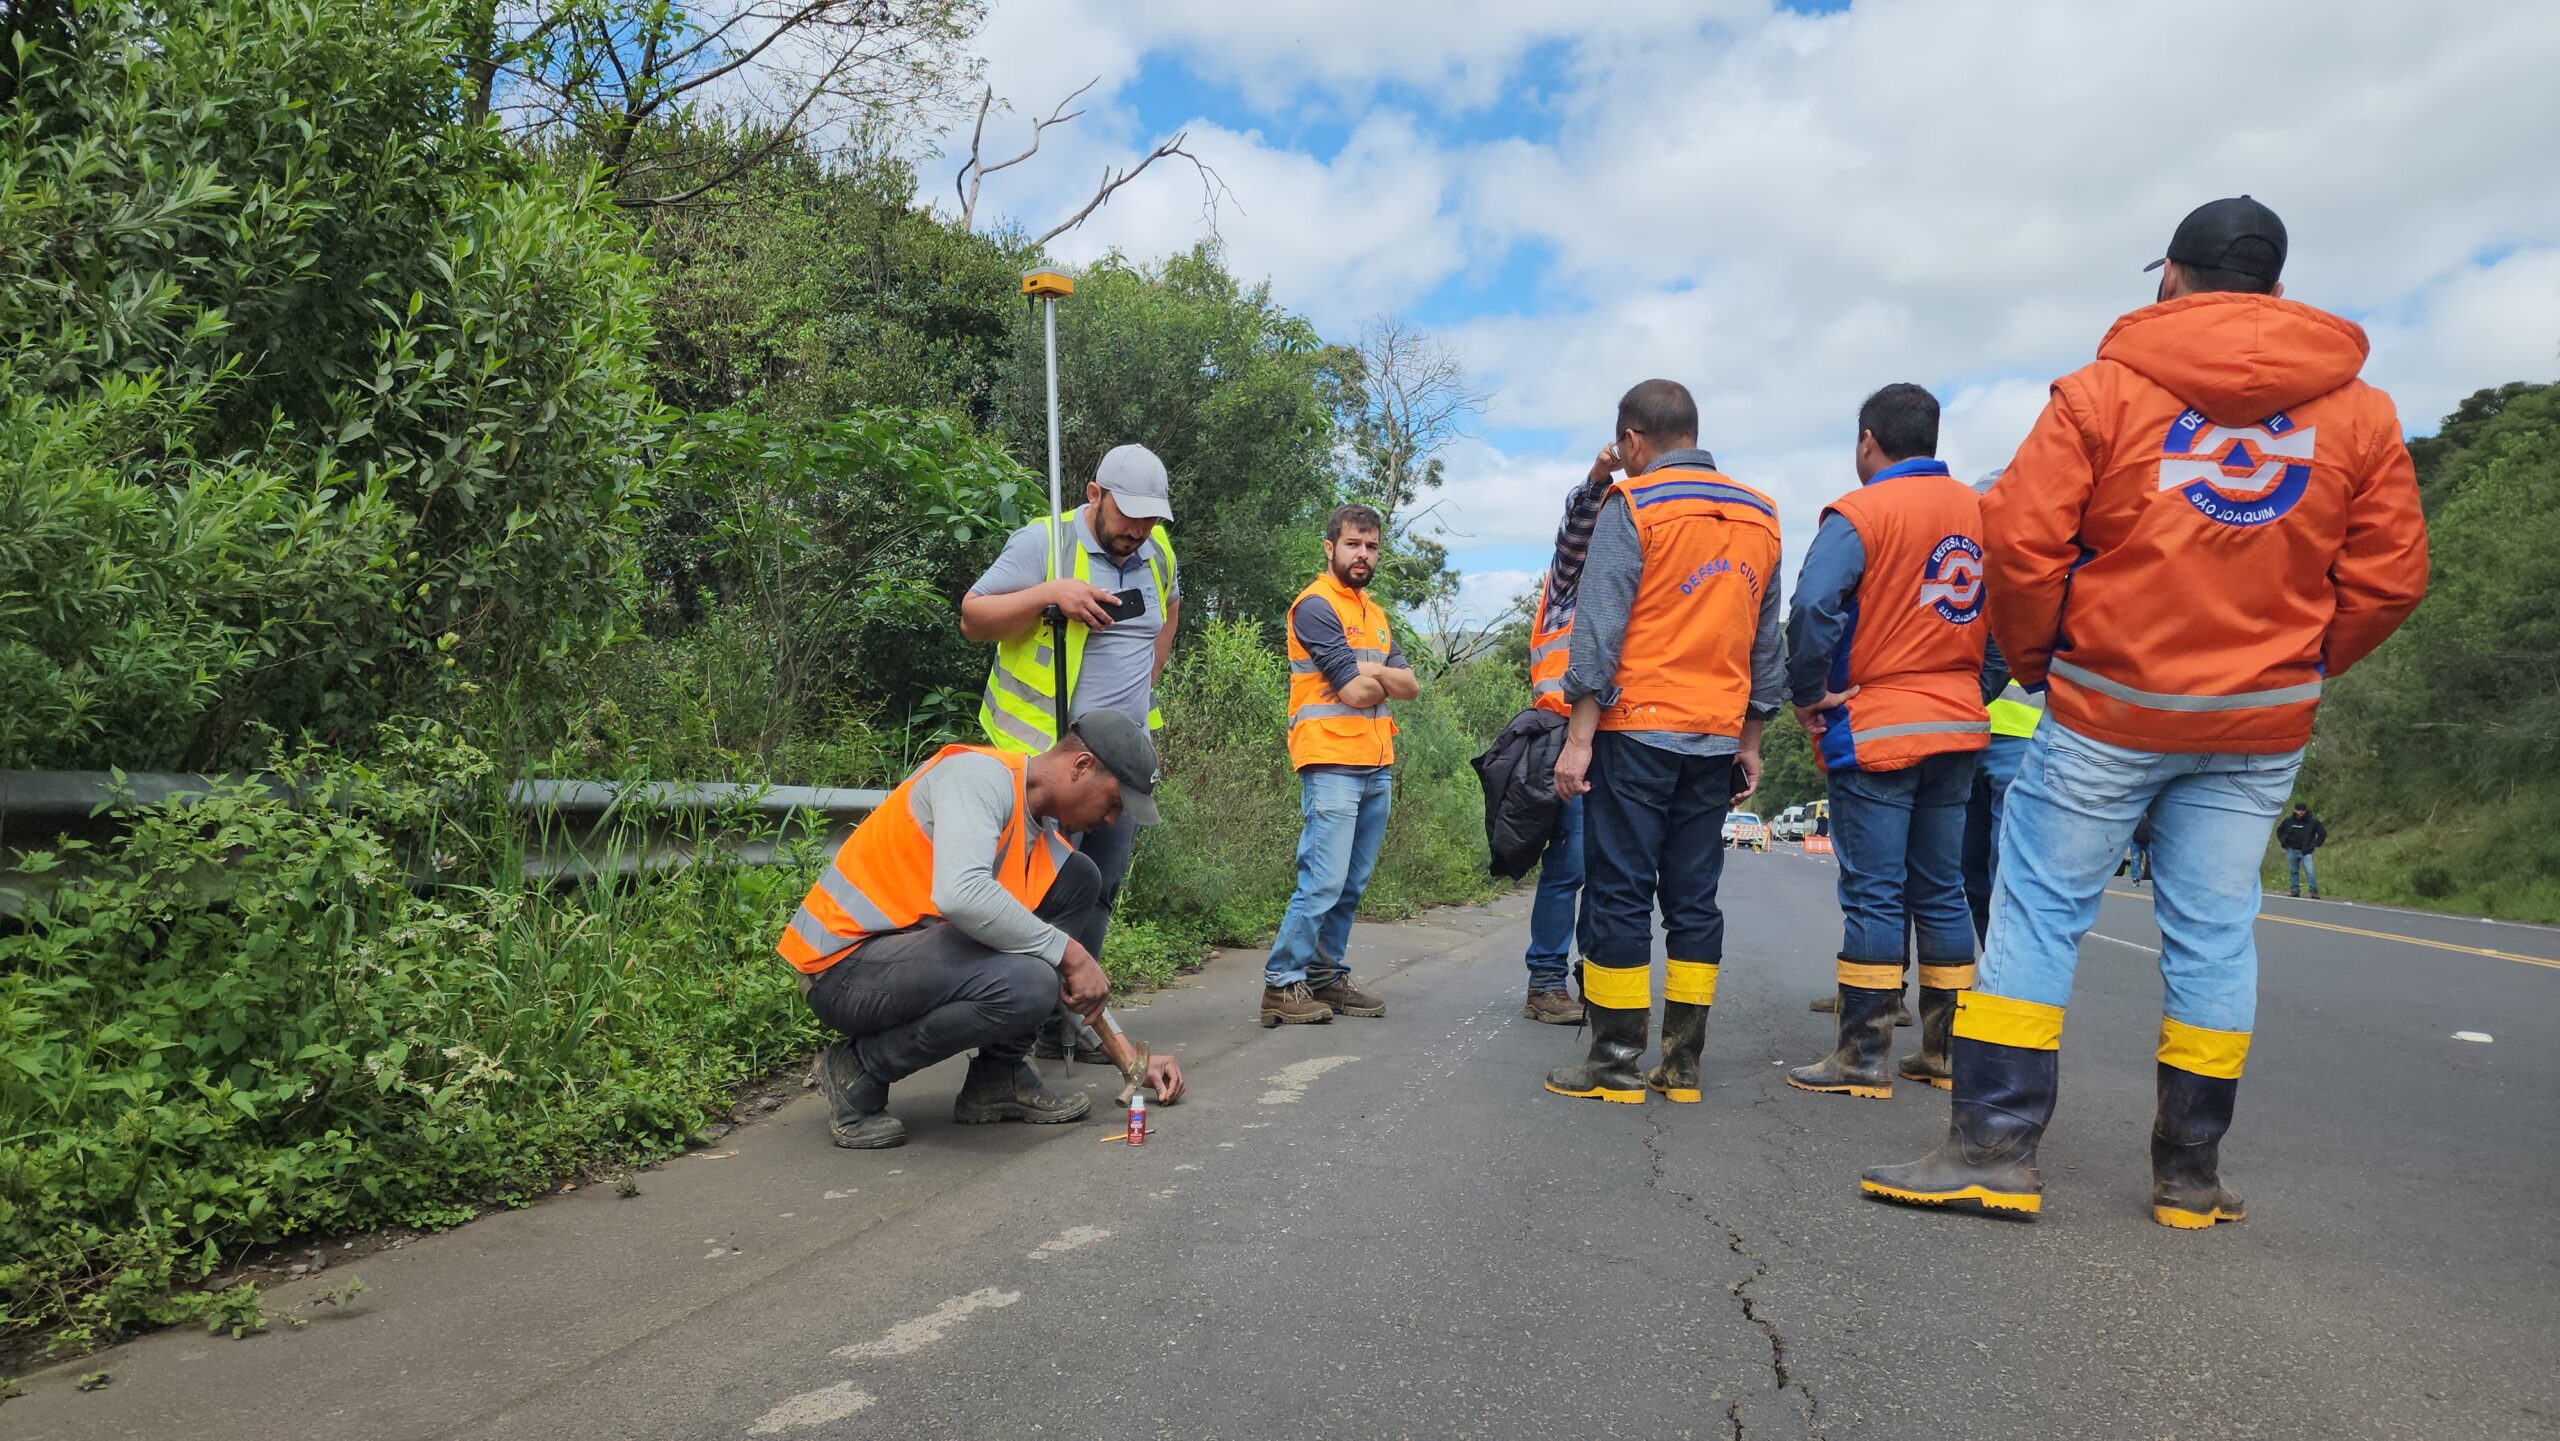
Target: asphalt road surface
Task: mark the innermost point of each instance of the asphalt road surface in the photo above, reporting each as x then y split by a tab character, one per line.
1383	1228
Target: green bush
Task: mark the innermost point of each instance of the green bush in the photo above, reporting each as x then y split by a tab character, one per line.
2431	881
316	396
244	1027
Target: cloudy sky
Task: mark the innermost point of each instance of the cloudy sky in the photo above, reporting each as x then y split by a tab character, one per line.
1785	206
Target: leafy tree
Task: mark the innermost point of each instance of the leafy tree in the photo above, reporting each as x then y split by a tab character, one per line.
1414	400
301	413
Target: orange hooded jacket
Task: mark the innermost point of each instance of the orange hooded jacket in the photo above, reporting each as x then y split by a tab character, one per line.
2204	525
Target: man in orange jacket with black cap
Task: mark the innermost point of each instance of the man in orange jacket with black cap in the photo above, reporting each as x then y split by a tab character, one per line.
2207	524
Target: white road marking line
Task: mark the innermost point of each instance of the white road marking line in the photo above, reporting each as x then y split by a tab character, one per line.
1074	1238
2137	945
840	1195
1289	1086
908	1337
813	1408
2483	1037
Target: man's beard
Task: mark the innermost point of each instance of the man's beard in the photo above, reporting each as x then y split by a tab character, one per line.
1355	582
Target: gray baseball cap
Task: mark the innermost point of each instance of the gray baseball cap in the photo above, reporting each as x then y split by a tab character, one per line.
1125	749
1136	482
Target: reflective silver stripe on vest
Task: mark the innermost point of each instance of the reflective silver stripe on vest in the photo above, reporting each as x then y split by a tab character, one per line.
2017	694
1326	711
814	934
1921	728
857	905
2153	700
1553	646
1364	652
1056	845
1020	689
1552	685
1015	728
1303	667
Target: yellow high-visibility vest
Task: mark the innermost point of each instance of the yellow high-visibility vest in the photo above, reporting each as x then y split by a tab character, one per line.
2016	711
1020	708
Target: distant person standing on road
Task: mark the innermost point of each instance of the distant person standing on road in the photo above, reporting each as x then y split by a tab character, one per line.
2232	520
1344	666
2300	835
1084	562
1884	658
1558	916
1675	669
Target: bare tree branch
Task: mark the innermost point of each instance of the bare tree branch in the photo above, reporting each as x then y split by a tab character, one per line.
977	170
1213	186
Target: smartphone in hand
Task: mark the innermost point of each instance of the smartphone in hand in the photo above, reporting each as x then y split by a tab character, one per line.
1127	605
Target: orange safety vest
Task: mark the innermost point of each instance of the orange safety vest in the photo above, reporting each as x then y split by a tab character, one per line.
1914	644
882	877
1550	649
1322	730
1710	551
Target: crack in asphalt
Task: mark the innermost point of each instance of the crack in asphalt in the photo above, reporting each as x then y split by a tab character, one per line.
1784	1378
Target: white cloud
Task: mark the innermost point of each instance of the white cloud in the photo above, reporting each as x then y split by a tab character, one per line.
1786	211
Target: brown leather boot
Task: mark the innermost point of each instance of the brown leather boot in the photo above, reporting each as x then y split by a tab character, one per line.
1346	999
1555	1008
1293	1005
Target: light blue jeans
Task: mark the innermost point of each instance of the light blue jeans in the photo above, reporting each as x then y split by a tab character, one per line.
2298	868
2065	824
1346	820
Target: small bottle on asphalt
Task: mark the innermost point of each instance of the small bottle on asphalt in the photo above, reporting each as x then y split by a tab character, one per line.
1138	1119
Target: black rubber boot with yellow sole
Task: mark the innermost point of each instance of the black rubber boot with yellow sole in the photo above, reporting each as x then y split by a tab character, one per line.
2186	1151
1617	1044
1684	1039
1861	1063
1939	987
2003	1101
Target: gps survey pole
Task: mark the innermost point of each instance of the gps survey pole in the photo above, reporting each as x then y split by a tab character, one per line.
1049	287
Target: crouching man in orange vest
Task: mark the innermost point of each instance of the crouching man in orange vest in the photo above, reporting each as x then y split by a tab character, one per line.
1675	667
947	921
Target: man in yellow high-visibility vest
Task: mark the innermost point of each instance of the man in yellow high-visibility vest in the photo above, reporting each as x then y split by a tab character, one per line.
1108	566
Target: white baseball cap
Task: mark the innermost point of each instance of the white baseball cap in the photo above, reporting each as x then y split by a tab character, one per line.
1136	482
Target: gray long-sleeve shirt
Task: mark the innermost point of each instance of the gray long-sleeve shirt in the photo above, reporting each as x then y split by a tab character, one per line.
963	805
1609	581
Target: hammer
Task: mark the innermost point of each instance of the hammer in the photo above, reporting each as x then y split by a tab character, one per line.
1128	1055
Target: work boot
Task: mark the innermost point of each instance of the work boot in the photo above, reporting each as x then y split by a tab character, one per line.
1555	1008
1937	1018
1856	1066
1293	1004
2186	1150
858	1116
2315	893
1684	1037
1829	1005
2296	893
2003	1101
1617	1044
1346	999
1012	1091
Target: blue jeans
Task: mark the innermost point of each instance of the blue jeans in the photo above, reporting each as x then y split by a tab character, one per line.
2066	823
2298	868
1346	819
1899	838
1552	916
1653	828
1982	825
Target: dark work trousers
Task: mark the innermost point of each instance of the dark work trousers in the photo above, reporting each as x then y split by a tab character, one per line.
1653	827
913	997
1109	849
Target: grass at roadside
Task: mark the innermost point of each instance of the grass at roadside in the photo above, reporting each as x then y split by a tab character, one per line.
2497	858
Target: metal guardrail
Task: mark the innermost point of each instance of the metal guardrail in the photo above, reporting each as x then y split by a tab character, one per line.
579	828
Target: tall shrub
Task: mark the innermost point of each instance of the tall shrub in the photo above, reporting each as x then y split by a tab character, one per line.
315	394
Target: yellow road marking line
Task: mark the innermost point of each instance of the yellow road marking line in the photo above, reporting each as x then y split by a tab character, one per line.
2379	935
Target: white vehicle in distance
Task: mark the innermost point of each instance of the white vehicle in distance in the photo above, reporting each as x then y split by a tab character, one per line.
1742	828
1789	826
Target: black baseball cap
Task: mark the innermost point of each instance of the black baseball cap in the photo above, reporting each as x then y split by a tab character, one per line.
2236	234
1125	750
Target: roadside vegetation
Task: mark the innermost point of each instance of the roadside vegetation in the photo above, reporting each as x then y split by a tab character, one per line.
377	428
